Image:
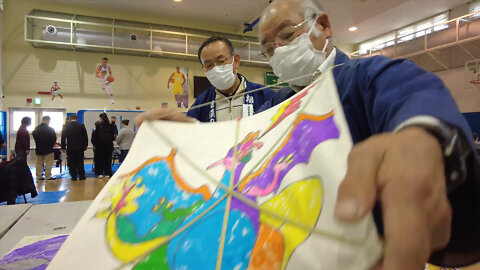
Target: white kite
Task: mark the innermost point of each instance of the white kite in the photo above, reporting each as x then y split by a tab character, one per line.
253	193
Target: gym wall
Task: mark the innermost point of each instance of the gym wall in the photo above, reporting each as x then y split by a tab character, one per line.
139	81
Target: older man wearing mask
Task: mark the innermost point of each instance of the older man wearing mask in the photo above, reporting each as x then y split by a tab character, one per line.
229	89
412	164
220	63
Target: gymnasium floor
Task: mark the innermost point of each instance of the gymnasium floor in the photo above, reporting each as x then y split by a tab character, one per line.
75	190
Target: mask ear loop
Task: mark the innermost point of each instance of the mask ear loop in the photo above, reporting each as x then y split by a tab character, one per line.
316	33
313	30
326	44
233	64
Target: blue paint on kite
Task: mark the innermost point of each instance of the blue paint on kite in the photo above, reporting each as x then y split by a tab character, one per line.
204	237
159	185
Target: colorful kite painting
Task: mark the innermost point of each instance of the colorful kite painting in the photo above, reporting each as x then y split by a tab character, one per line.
253	193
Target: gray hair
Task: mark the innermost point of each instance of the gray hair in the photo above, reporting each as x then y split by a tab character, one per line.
306	8
311	8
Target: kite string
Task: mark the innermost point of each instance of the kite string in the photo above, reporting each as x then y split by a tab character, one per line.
232	192
258	89
247	201
229	199
281	137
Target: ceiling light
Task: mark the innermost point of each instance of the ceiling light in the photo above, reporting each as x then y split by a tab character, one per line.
353	29
177	1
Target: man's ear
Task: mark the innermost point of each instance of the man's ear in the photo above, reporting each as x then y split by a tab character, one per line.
325	23
236	58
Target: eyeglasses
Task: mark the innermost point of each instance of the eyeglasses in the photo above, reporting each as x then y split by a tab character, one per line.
218	62
283	38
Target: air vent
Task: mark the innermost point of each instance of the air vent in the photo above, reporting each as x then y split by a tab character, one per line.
51	30
46	29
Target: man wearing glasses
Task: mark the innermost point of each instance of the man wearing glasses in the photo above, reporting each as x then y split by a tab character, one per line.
413	163
220	63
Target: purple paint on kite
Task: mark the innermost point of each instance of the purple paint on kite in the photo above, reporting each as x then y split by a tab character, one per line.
251	212
304	138
40	252
237	204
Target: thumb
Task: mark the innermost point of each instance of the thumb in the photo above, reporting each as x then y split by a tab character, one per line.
357	192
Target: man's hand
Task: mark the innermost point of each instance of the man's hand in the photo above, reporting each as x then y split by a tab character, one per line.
163	114
3	146
64	150
28	152
405	172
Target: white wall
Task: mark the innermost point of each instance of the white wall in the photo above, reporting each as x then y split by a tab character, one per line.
467	99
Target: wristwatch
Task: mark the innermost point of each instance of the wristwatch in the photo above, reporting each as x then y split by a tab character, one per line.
455	147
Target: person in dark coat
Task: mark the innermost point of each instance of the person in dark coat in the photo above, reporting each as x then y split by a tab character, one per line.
22	144
102	139
45	139
75	142
2	142
113	121
97	124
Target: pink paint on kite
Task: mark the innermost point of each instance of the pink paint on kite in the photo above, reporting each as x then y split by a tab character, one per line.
287	109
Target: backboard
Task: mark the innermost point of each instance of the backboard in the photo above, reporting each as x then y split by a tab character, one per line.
472	73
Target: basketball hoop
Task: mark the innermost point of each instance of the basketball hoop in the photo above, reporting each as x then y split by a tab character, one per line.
475	83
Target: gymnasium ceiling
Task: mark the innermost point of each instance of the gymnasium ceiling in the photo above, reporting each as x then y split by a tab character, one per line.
372	17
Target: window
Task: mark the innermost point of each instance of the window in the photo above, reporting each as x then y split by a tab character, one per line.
423	27
407	33
378	43
57	119
17	120
475	6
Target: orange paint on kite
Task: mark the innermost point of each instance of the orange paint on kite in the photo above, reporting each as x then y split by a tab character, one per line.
201	190
267	254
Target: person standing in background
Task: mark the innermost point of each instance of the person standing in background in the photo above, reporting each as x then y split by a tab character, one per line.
125	139
226	97
22	144
74	143
45	138
97	124
103	140
2	143
113	121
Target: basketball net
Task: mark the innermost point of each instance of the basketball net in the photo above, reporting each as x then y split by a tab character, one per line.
476	83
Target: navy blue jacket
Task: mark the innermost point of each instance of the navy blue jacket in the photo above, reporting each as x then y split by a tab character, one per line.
378	94
208	113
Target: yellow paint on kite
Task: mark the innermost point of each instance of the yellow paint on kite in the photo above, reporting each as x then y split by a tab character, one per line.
279	113
127	252
300	202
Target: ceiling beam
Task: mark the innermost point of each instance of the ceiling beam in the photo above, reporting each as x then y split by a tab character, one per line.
438	61
467	51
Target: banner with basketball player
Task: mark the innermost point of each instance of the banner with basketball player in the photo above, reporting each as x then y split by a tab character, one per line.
178	82
105	78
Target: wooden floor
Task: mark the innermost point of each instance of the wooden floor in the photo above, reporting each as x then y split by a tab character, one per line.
77	190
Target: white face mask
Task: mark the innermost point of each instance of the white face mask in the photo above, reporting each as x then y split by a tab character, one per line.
297	59
222	77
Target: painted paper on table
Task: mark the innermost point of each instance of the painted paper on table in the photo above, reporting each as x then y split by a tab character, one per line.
33	252
255	193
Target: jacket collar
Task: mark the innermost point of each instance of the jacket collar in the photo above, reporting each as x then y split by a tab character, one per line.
340	59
